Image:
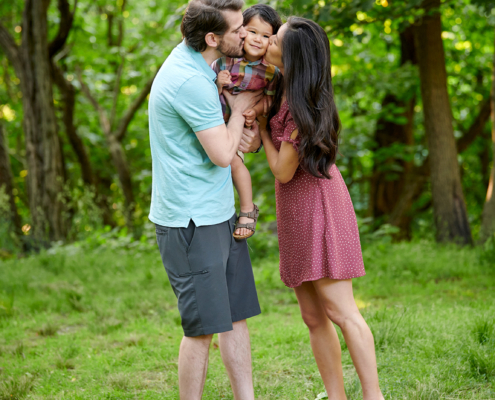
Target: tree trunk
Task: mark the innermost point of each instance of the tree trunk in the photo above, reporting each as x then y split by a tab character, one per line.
389	176
31	62
7	183
120	162
449	207
488	216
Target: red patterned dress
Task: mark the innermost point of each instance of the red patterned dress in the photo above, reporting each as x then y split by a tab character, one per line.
317	229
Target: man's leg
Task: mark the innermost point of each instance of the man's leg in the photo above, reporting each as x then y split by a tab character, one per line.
193	364
235	348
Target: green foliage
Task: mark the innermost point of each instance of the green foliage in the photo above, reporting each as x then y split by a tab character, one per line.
484	330
48	329
366	66
487	252
16	388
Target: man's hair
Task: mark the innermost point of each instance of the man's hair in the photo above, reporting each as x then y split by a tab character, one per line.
205	16
265	13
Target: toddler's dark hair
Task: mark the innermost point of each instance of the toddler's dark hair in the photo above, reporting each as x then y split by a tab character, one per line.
266	13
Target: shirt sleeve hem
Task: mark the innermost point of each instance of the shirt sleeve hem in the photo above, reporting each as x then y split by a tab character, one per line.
209	125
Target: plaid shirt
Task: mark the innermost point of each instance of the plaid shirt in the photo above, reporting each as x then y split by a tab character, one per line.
248	75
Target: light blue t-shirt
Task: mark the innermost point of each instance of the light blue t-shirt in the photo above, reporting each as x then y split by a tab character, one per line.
186	184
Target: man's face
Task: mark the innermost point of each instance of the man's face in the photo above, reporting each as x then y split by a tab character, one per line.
231	44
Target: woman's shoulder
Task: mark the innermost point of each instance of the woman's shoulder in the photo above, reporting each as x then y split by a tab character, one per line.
286	116
283	116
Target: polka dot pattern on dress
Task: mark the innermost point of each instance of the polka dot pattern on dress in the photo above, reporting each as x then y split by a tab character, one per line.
317	228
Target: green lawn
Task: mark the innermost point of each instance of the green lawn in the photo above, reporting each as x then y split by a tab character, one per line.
102	324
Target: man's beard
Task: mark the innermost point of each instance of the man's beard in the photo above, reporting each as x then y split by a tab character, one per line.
231	51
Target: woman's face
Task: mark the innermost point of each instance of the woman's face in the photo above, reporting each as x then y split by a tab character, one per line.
274	52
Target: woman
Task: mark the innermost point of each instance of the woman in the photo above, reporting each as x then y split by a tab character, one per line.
319	242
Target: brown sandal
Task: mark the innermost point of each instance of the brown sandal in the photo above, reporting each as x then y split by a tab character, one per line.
250	225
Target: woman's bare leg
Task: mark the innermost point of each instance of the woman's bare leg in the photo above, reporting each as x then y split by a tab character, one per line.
324	340
242	183
337	299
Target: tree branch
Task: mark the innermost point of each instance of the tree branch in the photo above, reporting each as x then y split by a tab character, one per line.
476	127
466	139
120	38
66	20
69	99
104	122
126	119
116	90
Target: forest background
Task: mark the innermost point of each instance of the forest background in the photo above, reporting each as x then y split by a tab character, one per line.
413	84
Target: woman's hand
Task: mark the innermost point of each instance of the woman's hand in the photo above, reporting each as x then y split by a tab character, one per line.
263	119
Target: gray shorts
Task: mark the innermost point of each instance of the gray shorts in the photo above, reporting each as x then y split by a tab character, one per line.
211	275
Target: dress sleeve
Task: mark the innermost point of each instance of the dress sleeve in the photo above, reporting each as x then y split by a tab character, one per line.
289	127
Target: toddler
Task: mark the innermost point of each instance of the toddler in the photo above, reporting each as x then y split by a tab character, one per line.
250	72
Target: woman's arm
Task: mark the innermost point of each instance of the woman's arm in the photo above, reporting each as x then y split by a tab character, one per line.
284	163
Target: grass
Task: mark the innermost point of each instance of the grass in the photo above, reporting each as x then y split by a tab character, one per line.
103	324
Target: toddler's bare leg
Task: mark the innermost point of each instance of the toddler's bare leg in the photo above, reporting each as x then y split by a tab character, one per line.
242	183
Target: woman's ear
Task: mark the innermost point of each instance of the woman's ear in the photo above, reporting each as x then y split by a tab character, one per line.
212	40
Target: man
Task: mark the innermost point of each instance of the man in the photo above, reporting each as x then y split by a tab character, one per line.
192	201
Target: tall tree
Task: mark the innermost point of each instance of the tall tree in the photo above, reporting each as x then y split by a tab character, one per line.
7	183
449	207
488	217
31	62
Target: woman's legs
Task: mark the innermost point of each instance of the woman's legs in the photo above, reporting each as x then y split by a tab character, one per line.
242	183
337	300
324	340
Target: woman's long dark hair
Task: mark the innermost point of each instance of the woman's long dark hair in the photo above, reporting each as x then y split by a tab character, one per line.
309	93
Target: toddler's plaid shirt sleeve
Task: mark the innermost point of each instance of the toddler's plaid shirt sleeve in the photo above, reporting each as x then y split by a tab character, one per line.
271	87
219	65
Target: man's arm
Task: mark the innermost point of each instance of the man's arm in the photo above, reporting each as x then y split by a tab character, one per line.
221	142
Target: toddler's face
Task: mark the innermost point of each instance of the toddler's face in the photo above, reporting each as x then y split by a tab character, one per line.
258	35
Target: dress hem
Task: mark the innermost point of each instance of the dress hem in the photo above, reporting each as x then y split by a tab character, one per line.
316	279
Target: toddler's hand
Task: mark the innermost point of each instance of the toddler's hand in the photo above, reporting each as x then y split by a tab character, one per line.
223	78
250	116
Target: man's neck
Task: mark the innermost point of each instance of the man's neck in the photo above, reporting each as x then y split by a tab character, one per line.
210	55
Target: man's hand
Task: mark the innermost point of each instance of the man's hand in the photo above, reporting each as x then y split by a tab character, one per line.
250	116
250	140
242	101
223	78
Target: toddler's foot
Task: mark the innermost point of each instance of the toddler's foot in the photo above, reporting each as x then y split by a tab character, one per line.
245	225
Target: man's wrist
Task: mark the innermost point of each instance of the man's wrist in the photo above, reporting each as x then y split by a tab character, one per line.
259	148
